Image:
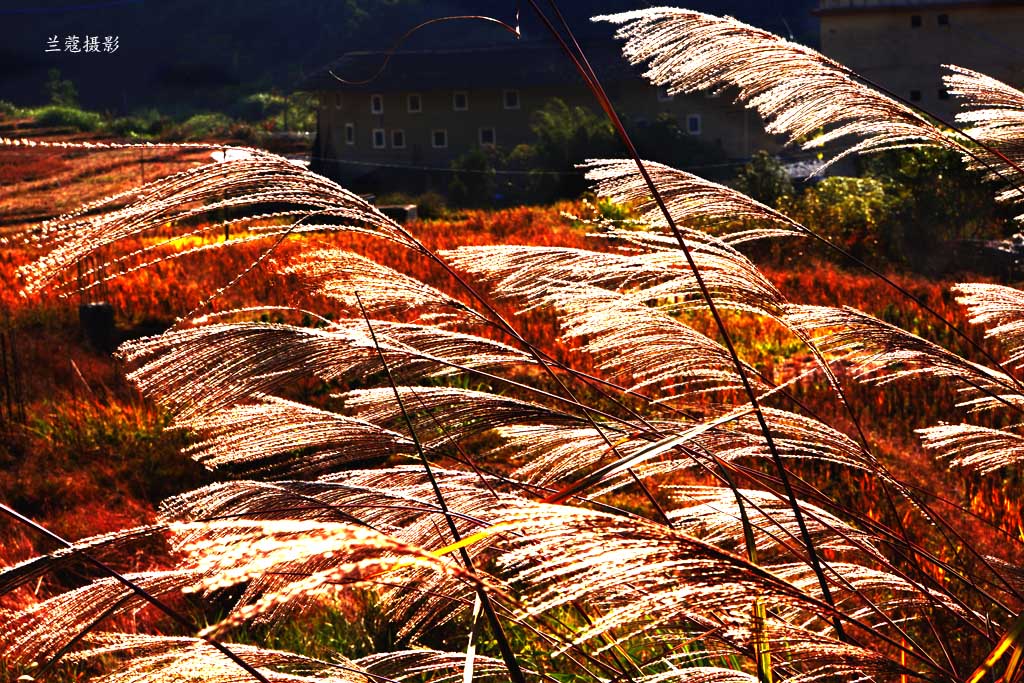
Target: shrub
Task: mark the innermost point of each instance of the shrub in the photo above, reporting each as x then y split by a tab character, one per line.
68	117
202	127
667	512
9	109
857	213
145	124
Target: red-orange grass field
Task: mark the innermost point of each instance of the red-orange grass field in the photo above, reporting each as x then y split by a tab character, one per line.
83	453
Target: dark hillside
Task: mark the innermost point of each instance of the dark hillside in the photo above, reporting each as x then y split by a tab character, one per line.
204	53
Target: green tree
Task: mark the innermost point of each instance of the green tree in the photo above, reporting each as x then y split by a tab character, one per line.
763	178
937	199
59	91
665	141
564	137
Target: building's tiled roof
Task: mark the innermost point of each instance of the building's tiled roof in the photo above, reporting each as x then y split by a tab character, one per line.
517	65
844	6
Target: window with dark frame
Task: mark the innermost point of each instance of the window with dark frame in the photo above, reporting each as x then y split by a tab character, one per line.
376	104
511	99
943	19
414	104
379	139
460	101
439	138
350	133
915	21
398	139
694	124
487	137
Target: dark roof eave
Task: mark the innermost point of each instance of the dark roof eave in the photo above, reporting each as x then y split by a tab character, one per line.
903	8
426	70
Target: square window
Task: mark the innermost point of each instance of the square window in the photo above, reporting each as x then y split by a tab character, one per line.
511	99
943	20
415	104
398	138
663	95
376	104
439	138
487	137
379	139
915	95
350	133
915	21
460	101
693	124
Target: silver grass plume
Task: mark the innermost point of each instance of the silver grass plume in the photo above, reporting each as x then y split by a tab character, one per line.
1001	310
883	353
204	192
796	90
690	199
984	449
662	275
196	370
995	113
173	658
627	337
342	275
277	438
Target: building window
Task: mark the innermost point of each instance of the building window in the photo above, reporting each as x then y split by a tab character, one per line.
379	140
943	94
398	138
943	20
337	101
439	138
915	95
915	21
376	104
460	101
511	98
415	104
663	95
693	124
487	137
350	133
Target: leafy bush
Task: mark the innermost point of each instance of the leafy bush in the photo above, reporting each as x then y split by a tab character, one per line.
68	117
203	127
632	501
145	124
10	109
857	213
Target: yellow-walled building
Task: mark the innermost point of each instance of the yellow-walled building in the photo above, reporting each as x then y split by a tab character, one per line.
902	44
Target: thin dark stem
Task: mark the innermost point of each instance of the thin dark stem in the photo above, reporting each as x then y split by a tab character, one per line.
511	663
